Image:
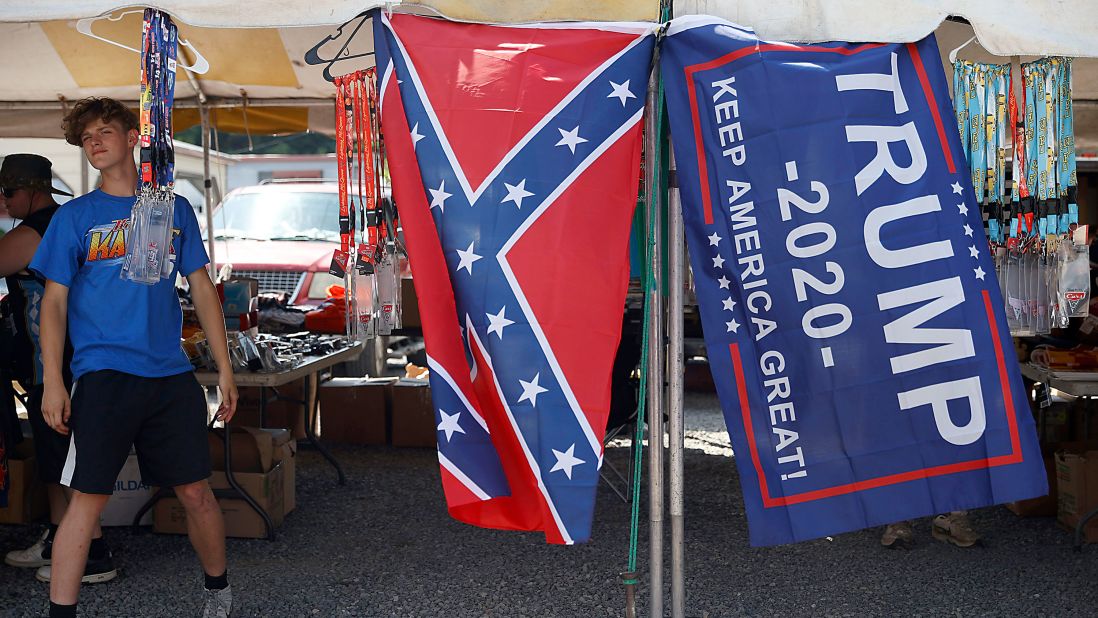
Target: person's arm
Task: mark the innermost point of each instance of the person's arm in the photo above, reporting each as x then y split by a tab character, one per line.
208	307
17	247
55	397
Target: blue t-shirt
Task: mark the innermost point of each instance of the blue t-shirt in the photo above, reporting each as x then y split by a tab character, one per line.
115	323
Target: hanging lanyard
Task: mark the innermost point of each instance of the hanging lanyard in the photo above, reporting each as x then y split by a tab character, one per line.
341	165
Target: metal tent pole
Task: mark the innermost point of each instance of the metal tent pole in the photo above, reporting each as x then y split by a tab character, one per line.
202	102
675	372
655	360
207	190
84	179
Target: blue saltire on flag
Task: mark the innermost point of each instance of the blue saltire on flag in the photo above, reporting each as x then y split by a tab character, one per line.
515	157
852	319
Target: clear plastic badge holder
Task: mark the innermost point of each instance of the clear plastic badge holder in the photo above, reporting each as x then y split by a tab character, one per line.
1074	280
388	293
363	322
148	252
1015	308
1043	326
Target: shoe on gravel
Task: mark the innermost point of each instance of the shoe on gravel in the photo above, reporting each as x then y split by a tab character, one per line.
899	534
219	603
955	528
35	556
96	571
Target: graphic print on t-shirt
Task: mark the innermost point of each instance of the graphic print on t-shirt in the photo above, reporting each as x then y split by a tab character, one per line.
107	243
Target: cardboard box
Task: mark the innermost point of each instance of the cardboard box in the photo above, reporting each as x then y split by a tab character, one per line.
1077	482
241	521
278	412
1044	506
252	449
257	449
130	494
413	416
409	305
356	410
27	502
285	453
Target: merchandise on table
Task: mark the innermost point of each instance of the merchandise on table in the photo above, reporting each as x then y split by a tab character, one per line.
264	352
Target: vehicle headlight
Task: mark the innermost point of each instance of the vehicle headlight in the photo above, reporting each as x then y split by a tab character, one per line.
318	287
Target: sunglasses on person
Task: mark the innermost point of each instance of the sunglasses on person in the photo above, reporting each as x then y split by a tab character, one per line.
8	193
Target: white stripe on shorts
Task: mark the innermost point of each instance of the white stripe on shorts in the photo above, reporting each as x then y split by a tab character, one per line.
70	458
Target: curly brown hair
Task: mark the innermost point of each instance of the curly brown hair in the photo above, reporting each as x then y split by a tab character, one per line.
96	108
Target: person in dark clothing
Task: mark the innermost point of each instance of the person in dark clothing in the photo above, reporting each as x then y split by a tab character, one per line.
26	181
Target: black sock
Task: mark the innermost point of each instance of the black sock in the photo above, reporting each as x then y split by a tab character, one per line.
98	549
217	583
52	533
62	611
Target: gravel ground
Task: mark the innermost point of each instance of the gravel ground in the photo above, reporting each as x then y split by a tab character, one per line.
384	546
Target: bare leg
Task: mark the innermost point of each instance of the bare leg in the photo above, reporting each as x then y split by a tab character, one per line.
59	497
205	526
59	501
70	547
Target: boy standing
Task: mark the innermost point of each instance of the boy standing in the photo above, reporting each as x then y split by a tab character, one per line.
133	382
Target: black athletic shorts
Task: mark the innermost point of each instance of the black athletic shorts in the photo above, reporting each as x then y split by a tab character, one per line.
163	418
50	447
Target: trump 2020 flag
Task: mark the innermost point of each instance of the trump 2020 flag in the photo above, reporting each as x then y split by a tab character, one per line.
515	158
852	319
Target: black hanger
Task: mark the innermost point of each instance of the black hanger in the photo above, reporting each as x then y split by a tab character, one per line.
312	56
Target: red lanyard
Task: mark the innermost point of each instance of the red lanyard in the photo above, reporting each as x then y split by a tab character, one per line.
356	98
341	164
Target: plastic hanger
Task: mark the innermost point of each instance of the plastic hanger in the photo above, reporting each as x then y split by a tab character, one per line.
313	57
953	54
84	26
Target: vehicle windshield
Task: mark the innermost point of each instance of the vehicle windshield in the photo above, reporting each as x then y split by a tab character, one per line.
286	215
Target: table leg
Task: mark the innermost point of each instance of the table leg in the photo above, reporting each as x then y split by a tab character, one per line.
311	397
263	406
163	492
240	490
1079	528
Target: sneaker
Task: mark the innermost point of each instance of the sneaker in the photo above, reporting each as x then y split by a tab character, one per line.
96	571
955	528
34	556
898	535
219	603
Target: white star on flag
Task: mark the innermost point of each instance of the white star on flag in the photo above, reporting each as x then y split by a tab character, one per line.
531	390
449	424
439	197
968	230
497	322
714	239
733	326
571	139
723	282
466	259
718	262
973	251
566	461
621	91
979	273
416	136
729	304
962	209
516	193
957	188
